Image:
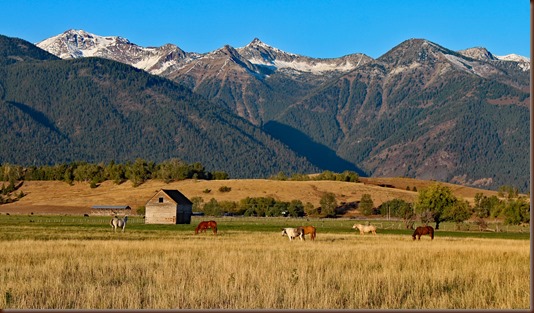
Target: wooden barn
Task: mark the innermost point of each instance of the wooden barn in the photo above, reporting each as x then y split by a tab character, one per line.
111	210
168	207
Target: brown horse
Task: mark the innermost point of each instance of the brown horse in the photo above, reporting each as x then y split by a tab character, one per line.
423	230
308	230
202	226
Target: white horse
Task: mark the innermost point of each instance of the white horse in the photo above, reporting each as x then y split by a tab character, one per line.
293	233
365	229
118	222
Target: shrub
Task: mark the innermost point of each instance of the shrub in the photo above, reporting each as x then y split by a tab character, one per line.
141	210
197	203
213	208
225	189
366	204
310	210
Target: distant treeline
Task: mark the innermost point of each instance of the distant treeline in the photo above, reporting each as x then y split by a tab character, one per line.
346	176
137	172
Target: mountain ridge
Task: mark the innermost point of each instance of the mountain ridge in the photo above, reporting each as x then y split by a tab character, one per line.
53	44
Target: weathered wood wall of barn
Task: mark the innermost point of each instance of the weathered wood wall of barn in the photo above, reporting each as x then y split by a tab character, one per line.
161	209
161	213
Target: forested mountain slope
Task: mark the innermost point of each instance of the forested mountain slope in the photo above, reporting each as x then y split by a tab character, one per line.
424	111
95	109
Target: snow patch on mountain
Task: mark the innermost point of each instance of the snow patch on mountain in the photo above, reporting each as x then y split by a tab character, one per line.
311	67
79	43
523	62
513	57
475	67
260	53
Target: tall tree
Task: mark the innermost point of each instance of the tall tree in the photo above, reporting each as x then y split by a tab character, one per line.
366	204
434	201
328	204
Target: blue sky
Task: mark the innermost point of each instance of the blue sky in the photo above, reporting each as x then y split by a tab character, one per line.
315	28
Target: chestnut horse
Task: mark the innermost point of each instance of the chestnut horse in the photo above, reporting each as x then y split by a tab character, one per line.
308	230
202	226
423	230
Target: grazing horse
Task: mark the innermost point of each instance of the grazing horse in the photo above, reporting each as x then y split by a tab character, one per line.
202	226
308	230
365	229
118	222
423	230
293	233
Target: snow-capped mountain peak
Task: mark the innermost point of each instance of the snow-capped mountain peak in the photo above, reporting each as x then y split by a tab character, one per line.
513	57
79	43
522	62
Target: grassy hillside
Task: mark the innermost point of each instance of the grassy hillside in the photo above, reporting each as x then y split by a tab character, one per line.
62	198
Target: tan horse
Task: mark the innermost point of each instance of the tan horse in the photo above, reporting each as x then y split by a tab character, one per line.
308	230
293	233
365	229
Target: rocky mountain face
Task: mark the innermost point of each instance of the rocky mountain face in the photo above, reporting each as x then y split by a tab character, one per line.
420	110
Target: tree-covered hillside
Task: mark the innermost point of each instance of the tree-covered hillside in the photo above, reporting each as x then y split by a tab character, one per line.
414	113
95	110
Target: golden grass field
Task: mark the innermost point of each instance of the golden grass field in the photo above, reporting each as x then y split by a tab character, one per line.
67	262
240	270
62	198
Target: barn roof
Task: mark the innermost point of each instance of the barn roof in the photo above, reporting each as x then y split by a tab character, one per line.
177	196
113	207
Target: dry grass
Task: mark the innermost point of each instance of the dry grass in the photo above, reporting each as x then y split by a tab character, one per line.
239	270
61	198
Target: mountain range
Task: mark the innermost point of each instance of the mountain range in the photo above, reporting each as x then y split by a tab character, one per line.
420	110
